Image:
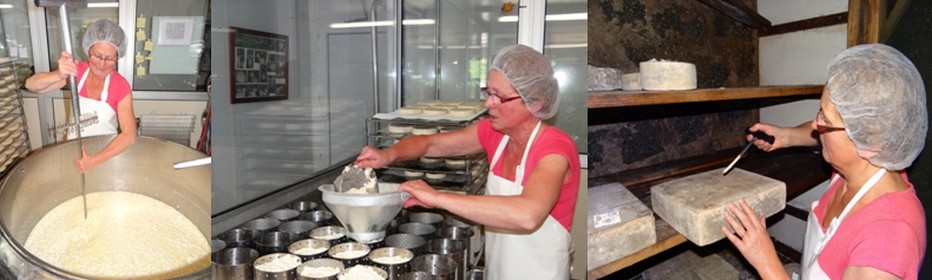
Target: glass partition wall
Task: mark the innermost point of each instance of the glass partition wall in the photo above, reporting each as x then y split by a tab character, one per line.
441	51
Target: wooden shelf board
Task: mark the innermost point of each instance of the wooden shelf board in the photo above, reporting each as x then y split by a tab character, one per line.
610	99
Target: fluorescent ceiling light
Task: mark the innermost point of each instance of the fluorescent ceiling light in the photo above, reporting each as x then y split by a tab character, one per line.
554	17
380	23
6	6
566	46
103	5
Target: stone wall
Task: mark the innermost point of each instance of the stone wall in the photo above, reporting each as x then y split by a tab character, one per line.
623	33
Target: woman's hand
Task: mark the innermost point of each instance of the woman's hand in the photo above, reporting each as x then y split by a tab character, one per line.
66	66
371	157
780	138
421	194
86	162
752	240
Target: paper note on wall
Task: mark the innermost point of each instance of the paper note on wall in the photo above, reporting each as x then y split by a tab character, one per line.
140	35
148	46
139	58
140	22
140	71
178	45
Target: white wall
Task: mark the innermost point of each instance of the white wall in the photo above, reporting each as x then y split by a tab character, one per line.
795	59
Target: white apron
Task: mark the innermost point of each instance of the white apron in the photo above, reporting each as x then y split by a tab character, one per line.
106	117
816	239
543	254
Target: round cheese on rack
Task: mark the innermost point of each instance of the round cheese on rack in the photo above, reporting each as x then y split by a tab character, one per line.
424	130
413	174
436	175
667	75
409	111
430	160
434	112
400	128
455	163
462	112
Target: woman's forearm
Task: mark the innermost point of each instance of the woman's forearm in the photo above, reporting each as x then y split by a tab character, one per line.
119	144
802	135
46	81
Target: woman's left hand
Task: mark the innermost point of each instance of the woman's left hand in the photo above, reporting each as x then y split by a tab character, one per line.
750	236
421	194
86	162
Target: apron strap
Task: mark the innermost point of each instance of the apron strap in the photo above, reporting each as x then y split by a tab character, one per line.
519	172
498	151
104	93
867	186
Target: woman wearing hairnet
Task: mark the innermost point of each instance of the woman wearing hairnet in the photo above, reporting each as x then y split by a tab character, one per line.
534	170
101	89
869	224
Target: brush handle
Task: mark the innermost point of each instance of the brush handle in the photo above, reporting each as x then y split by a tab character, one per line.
760	135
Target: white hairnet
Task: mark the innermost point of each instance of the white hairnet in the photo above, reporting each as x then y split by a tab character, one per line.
530	73
882	102
104	30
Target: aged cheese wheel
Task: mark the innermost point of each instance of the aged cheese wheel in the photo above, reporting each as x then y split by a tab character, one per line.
667	75
631	81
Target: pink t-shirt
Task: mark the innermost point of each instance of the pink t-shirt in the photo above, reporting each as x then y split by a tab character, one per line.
551	141
119	87
888	234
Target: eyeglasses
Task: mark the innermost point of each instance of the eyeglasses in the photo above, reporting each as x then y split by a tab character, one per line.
498	99
101	57
823	129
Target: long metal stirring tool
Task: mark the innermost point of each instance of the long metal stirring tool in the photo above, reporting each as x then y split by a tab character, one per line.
75	99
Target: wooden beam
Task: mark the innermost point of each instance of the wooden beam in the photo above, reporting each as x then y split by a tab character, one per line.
806	24
893	19
863	22
739	12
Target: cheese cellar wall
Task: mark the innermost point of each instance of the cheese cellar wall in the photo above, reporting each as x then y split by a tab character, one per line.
625	33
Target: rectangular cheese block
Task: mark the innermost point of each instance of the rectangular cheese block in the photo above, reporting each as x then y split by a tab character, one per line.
694	205
618	224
